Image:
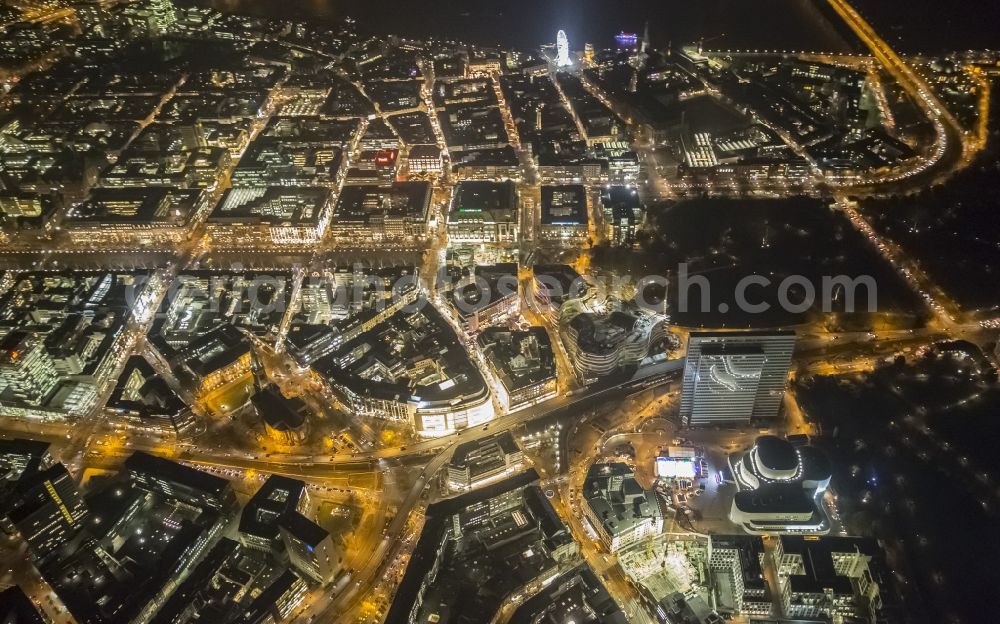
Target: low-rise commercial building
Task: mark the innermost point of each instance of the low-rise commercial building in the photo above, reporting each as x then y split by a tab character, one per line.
479	462
604	335
565	216
144	400
522	365
623	214
570	167
737	566
134	216
470	126
507	531
425	159
484	212
411	368
620	511
491	296
398	211
486	164
261	215
379	135
838	578
373	167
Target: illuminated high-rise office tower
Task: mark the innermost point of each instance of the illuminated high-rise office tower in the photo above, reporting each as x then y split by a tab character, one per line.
47	509
735	376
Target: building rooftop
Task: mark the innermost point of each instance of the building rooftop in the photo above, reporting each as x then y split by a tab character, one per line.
17	608
204	300
776	453
380	133
313	130
272	204
160	468
303	529
602	332
26	210
775	498
22	503
262	607
558	281
749	549
198	167
472	126
277	497
492	283
616	498
283	161
621	197
477	196
518	358
141	389
425	151
574	596
564	205
817	557
464	91
278	412
485	157
215	350
413	356
484	454
367	203
507	537
413	128
198	588
20	457
159	206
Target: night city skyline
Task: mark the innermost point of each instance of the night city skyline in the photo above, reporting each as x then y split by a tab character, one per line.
550	312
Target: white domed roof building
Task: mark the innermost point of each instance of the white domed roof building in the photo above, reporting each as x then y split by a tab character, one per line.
781	486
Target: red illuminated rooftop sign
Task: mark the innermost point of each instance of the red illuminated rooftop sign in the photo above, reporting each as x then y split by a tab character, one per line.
386	157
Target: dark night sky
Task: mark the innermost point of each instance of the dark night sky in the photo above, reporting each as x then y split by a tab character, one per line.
529	23
912	25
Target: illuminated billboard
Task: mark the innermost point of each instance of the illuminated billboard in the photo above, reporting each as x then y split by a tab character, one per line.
674	468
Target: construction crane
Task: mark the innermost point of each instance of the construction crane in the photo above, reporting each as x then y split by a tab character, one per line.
702	41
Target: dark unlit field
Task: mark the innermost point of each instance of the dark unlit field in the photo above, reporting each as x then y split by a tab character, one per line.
723	241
